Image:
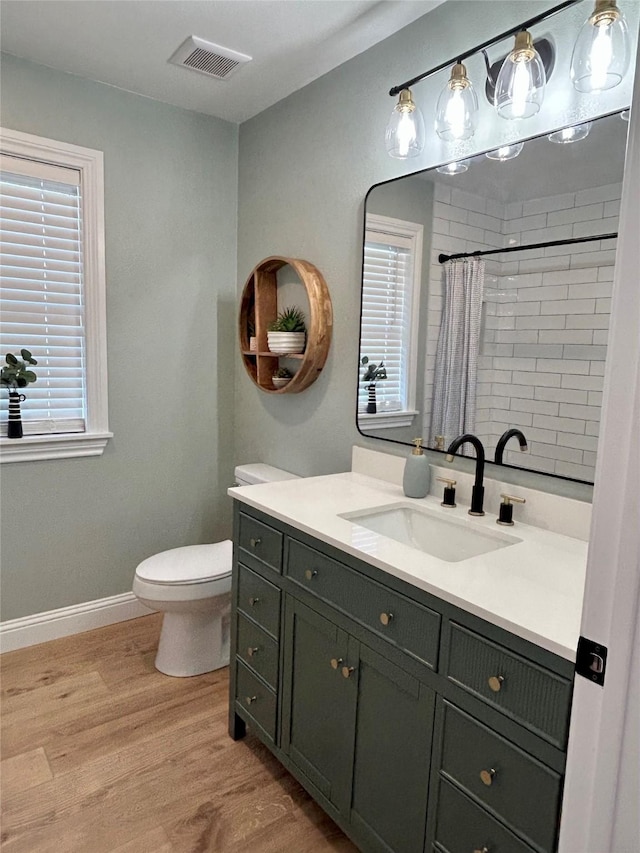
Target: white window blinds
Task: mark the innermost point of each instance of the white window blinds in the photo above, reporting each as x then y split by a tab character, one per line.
41	266
386	317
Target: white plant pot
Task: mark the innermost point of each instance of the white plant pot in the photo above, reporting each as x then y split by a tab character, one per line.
286	342
280	381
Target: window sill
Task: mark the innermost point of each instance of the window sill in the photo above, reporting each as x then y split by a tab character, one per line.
34	448
387	420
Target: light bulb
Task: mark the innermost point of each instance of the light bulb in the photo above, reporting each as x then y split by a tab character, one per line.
457	108
571	134
601	53
456	168
505	152
521	82
404	136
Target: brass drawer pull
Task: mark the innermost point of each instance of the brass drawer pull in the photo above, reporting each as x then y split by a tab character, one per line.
335	662
496	682
253	601
310	574
486	777
346	671
252	650
250	699
385	618
255	542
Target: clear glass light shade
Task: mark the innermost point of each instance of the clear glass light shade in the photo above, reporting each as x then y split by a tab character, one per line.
457	108
505	152
456	168
601	53
405	134
521	82
625	115
571	134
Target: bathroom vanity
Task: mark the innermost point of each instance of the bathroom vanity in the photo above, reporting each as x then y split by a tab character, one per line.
423	702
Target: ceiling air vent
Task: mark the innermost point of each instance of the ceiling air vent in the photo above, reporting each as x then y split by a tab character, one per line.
208	58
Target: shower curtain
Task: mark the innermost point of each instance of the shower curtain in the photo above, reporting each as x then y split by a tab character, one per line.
454	390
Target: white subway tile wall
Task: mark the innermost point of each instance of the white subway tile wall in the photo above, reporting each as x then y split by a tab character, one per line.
545	320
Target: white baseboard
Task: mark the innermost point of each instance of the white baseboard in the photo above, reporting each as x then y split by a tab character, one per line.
53	624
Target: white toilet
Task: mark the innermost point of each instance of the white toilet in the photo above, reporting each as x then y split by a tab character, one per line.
192	587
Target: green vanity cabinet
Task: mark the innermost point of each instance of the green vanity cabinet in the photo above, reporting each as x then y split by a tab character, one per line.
417	726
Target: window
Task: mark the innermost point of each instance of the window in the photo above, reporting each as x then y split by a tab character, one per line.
52	297
389	327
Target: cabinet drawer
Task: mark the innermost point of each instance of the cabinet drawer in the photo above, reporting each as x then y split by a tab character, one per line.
259	599
535	697
409	625
261	541
258	651
256	699
463	827
511	780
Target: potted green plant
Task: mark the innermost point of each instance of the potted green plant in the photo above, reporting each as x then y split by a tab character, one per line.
287	333
372	374
281	377
16	373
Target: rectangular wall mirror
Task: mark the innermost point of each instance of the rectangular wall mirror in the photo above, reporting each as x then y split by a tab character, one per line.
515	338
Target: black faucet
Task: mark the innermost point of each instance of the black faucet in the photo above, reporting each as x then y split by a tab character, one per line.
477	492
504	438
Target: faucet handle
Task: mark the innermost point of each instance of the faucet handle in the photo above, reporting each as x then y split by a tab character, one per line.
505	516
449	496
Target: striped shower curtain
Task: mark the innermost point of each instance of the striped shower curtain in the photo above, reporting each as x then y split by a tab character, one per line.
454	390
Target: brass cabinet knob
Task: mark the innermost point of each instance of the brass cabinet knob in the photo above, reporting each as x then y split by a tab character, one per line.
250	699
346	671
486	777
310	573
253	601
385	618
252	650
496	682
335	662
255	542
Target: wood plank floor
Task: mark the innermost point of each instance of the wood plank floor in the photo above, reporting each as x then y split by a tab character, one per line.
103	754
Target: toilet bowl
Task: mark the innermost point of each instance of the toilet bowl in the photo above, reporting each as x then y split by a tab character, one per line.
191	585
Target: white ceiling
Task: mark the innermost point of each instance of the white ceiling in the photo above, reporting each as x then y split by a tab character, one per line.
127	43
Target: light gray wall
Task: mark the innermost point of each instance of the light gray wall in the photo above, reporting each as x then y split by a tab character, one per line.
305	167
74	530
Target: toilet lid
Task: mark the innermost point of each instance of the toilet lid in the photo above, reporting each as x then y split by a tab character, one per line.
190	564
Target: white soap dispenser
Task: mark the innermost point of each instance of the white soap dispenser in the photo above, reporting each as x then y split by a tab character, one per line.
417	473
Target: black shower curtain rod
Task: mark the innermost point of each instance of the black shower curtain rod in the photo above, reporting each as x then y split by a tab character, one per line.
444	258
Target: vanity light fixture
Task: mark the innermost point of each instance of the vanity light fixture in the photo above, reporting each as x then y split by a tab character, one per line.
601	53
405	134
505	152
521	82
455	168
571	134
457	108
600	60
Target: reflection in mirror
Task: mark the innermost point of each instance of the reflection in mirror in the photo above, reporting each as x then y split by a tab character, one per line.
510	333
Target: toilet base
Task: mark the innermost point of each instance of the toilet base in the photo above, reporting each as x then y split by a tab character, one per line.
192	643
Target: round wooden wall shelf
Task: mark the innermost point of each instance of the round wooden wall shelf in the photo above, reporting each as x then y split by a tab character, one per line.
259	308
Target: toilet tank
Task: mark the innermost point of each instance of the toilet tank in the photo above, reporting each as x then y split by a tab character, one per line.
258	472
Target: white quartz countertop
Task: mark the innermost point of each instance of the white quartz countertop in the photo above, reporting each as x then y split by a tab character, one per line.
533	588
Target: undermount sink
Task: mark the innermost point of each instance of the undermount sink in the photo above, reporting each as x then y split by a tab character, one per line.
449	539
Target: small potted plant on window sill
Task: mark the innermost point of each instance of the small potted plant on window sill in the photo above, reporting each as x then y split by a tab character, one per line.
287	333
16	373
281	377
372	374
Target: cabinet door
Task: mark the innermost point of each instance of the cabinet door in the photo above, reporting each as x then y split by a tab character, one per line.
319	702
394	728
